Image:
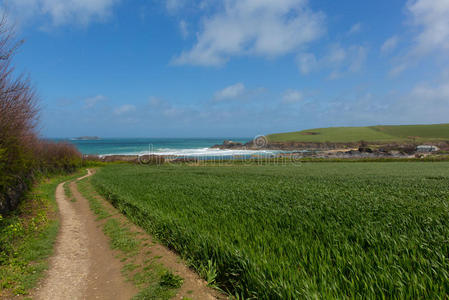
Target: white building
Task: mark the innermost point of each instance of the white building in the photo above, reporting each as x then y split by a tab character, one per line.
427	148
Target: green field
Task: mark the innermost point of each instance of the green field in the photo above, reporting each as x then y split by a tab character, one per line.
327	230
381	134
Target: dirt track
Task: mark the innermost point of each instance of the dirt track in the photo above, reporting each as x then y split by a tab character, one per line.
83	266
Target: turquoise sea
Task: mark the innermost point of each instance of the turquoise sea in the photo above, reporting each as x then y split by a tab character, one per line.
161	146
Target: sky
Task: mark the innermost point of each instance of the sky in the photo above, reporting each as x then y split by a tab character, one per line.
213	68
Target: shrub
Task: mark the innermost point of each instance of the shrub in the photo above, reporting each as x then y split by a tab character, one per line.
23	155
18	117
57	157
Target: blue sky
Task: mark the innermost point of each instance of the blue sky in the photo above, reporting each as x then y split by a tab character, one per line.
211	68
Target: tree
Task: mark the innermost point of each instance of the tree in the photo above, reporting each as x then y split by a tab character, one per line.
18	119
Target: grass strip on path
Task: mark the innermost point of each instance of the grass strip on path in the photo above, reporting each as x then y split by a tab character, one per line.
68	191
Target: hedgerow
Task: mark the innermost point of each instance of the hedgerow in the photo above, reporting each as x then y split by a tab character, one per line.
23	155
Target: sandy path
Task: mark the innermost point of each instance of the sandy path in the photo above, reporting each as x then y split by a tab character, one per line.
83	266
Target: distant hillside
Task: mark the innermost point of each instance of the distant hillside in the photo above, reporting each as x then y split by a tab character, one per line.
372	134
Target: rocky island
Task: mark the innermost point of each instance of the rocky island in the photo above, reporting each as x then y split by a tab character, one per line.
87	138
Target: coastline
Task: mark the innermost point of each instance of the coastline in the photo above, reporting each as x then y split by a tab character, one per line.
136	150
267	155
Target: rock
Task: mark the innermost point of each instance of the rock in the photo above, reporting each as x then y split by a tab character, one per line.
151	159
184	160
228	144
127	158
365	150
426	148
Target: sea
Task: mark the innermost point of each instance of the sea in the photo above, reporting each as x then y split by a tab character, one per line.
186	147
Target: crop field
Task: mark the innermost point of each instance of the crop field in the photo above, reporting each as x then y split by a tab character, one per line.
327	230
378	134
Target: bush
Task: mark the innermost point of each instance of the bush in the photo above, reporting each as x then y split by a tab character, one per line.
23	156
57	157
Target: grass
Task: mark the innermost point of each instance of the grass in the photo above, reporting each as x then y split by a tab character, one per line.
27	237
68	192
158	287
159	282
380	134
153	280
436	131
328	230
121	237
94	203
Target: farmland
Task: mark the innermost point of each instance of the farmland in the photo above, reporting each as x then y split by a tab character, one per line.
375	134
333	230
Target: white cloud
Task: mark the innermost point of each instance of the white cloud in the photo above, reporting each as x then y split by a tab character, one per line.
398	69
164	108
126	108
335	75
230	92
430	21
356	28
184	28
91	102
156	102
426	92
336	54
173	112
306	62
425	103
188	6
358	58
292	96
432	18
339	59
249	27
61	12
174	5
389	45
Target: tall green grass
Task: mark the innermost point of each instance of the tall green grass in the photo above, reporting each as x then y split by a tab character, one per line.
332	230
